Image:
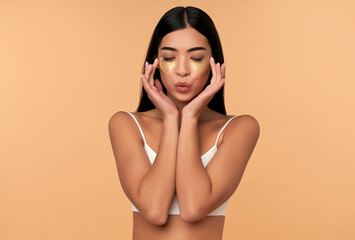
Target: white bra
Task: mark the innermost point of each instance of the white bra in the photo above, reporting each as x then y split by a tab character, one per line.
205	158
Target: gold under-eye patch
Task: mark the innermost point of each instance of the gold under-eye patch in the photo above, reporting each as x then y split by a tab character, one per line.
166	66
200	66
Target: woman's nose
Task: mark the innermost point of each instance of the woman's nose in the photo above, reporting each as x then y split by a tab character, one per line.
182	67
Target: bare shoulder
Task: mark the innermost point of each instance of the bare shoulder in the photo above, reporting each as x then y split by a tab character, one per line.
245	125
246	120
120	118
121	122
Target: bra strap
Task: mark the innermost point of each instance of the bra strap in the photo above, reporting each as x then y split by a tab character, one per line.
140	129
225	125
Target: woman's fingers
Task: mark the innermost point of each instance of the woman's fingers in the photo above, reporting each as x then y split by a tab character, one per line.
223	68
158	85
155	91
146	71
152	90
213	69
152	68
218	77
218	71
148	76
145	83
147	86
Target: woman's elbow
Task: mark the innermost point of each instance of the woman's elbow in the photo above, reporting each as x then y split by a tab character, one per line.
158	218
191	216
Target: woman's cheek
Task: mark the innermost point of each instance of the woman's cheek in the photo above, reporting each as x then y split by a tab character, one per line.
166	66
201	66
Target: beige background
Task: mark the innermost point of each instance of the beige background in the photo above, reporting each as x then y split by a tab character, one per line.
67	66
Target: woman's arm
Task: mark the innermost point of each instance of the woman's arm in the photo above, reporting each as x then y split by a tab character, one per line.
201	190
151	188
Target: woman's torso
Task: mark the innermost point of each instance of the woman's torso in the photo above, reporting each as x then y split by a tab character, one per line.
210	227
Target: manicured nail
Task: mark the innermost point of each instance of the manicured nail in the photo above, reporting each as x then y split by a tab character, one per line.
146	63
212	59
218	65
156	60
150	65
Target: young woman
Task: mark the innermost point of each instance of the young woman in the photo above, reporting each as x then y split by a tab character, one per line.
179	156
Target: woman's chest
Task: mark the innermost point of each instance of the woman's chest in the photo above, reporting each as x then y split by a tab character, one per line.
207	134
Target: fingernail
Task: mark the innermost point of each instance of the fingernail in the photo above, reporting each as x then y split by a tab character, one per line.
156	60
150	65
212	59
218	65
146	63
225	64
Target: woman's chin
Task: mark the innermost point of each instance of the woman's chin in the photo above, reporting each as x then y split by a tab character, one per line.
183	97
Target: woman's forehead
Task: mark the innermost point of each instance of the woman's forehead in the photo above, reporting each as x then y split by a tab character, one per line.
184	39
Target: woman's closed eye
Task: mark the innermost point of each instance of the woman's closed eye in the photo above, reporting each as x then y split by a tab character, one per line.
168	59
195	59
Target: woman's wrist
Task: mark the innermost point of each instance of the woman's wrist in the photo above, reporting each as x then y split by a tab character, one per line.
171	117
189	118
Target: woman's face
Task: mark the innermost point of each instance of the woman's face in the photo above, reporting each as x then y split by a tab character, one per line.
184	58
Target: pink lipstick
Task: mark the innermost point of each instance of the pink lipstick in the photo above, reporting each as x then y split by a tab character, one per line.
182	87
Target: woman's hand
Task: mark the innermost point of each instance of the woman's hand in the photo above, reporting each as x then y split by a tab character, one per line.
155	92
198	104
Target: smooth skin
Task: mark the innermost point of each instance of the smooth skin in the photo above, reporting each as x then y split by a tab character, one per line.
180	130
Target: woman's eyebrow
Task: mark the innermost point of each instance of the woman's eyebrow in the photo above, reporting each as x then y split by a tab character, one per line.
190	50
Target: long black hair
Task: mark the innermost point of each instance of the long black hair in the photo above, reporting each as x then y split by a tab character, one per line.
180	18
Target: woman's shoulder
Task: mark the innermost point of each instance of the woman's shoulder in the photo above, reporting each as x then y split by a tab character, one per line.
123	113
244	118
216	116
119	119
125	117
242	123
119	116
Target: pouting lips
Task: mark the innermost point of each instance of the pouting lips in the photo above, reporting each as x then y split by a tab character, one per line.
182	84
